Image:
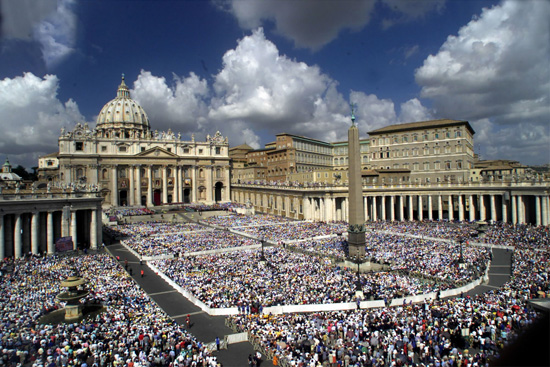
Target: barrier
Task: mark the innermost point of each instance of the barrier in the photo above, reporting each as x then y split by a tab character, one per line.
236	338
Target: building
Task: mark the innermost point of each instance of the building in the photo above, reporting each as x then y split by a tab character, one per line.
132	165
433	151
9	178
412	171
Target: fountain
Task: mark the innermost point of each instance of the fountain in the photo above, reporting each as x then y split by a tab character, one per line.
72	297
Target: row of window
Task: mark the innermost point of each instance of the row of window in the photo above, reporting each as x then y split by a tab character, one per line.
79	146
396	139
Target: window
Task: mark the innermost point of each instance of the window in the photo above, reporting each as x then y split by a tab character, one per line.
103	148
185	150
447	165
218	150
121	149
459	164
79	145
143	149
49	163
436	135
426	166
458	134
437	165
416	166
200	151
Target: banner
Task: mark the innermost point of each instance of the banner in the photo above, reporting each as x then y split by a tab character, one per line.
64	244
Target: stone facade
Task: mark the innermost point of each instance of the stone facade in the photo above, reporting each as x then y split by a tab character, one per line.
135	166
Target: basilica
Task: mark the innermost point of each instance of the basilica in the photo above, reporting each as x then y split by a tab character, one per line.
132	165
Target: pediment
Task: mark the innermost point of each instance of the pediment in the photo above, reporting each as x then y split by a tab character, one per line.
156	152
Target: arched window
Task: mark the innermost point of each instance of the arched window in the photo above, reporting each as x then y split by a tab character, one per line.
201	173
104	174
79	172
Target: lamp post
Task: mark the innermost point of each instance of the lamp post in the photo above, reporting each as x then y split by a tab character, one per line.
262	241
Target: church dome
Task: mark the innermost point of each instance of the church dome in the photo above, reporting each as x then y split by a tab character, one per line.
123	112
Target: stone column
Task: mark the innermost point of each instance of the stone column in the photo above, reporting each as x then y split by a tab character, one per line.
514	200
49	231
482	209
366	206
150	185
137	177
545	211
131	186
451	209
114	187
177	184
2	239
164	186
538	208
439	207
401	208
383	208
472	208
420	209
73	229
34	232
93	229
194	184
521	209
374	209
493	209
17	243
411	208
209	185
392	208
430	208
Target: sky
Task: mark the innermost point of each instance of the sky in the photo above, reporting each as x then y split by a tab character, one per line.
253	69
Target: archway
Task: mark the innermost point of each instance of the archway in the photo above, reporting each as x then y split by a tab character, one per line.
123	198
156	197
186	196
218	191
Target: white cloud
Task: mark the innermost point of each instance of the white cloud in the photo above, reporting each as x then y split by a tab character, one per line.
180	107
496	69
32	117
309	23
57	33
413	110
50	23
20	16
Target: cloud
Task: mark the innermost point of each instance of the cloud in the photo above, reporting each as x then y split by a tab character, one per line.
495	71
20	16
309	23
259	91
179	107
32	117
52	24
413	110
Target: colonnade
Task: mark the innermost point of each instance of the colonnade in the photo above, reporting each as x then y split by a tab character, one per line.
513	206
139	185
35	226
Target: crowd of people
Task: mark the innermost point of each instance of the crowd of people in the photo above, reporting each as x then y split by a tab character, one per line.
439	332
181	243
236	221
129	330
238	279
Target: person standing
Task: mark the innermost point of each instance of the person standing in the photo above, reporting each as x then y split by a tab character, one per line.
142	273
217	343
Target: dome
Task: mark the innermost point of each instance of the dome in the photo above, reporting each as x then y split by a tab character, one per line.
123	112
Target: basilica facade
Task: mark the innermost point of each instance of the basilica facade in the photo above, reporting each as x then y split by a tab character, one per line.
132	165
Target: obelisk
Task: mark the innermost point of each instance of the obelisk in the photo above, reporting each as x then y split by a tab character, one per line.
356	229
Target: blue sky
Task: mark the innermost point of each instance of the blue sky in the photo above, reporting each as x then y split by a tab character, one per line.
252	69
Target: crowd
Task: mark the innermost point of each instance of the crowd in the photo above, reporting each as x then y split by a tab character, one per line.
130	330
236	221
437	332
128	212
239	279
185	242
295	230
